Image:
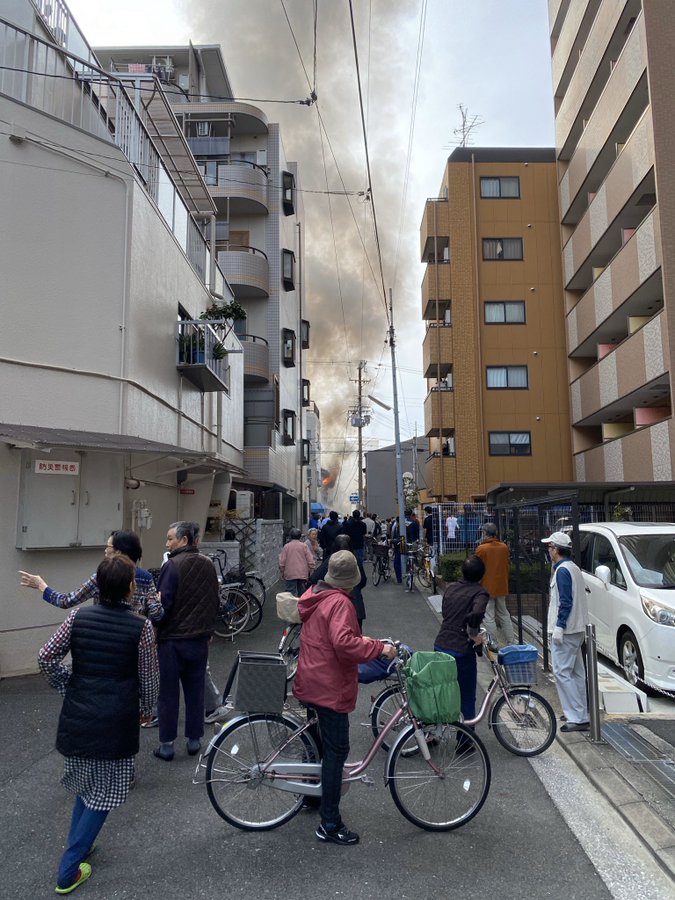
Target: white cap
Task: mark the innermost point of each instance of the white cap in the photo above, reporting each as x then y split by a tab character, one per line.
559	539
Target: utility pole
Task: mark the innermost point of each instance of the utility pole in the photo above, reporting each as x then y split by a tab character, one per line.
397	431
360	417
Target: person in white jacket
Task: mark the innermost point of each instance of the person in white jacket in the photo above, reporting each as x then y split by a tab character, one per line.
567	618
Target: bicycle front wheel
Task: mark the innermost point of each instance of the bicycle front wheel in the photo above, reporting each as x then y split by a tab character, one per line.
384	706
423	576
238	790
256	586
377	572
290	651
233	612
256	613
447	796
525	724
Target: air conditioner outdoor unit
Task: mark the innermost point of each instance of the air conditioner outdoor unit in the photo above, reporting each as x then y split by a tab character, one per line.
245	504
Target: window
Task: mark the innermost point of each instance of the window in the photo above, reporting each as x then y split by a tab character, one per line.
304	334
498	312
288	347
305	391
277	405
288	192
502	248
305	456
448	448
506	378
510	443
288	269
503	187
288	420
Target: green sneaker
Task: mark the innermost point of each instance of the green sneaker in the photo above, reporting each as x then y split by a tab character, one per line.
83	873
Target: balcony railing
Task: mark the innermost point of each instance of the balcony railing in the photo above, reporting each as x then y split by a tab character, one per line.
74	90
256	358
246	269
201	356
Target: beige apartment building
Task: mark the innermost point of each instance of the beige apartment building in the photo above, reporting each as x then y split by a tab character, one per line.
615	146
494	353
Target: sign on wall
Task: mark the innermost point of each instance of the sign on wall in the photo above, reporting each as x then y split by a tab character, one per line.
54	467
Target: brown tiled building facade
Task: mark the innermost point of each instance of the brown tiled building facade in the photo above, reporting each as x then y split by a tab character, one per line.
615	147
494	353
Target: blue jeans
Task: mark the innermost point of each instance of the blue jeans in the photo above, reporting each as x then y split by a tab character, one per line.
181	662
334	731
296	586
467	676
85	824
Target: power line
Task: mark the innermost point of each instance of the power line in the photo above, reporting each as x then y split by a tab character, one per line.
367	152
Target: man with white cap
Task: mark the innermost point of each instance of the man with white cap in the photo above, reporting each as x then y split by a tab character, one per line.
331	647
567	618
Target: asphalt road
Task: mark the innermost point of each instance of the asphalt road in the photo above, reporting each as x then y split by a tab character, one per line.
168	842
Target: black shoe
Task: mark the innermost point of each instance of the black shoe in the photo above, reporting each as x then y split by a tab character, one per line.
575	726
165	752
193	746
340	835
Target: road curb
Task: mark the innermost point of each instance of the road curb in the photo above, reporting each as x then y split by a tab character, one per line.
637	811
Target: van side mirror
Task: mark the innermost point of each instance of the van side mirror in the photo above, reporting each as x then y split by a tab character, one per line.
603	573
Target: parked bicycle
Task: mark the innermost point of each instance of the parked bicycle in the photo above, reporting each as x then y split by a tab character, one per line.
261	766
381	562
522	720
239	610
425	571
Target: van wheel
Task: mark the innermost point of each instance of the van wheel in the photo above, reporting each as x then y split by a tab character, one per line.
631	661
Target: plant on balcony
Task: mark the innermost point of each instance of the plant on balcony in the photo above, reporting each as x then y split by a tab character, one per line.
191	346
219	350
232	310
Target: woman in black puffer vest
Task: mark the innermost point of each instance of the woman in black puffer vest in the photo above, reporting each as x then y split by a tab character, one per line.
113	683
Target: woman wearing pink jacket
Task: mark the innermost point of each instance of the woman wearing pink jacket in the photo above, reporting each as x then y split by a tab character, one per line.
296	562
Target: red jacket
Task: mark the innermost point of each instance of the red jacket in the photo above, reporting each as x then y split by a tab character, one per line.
331	649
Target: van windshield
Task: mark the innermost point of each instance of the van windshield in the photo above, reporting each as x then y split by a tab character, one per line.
650	558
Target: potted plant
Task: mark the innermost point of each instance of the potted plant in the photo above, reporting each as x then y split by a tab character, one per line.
191	347
219	350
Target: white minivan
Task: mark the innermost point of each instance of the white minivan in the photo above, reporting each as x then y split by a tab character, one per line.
629	571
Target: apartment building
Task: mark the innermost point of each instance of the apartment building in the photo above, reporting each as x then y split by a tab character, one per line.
494	353
614	115
120	406
258	240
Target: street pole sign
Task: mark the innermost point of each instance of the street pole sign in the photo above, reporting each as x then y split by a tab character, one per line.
353	498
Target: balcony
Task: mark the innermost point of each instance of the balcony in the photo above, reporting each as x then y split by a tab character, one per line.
209	146
244	185
435	228
256	359
439	412
437	350
246	270
201	357
436	285
441	475
632	377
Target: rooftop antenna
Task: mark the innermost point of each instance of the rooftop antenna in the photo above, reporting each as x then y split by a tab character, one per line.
470	124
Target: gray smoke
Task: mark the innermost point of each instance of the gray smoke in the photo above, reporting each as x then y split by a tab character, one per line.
263	64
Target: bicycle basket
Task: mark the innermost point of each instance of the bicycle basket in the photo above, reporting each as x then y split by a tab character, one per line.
260	683
433	691
287	608
520	663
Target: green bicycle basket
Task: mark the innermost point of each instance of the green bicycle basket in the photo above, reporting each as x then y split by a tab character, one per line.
433	691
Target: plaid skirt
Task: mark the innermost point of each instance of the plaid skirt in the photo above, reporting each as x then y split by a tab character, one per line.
101	783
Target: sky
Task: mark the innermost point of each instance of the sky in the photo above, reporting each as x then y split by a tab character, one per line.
418	60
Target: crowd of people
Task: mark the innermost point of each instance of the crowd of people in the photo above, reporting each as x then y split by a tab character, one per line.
141	642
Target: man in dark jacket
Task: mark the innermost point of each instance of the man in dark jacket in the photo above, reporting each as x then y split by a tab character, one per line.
464	604
329	532
356	530
188	586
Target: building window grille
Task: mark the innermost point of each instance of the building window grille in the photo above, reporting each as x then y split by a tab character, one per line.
288	192
288	269
288	422
288	347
